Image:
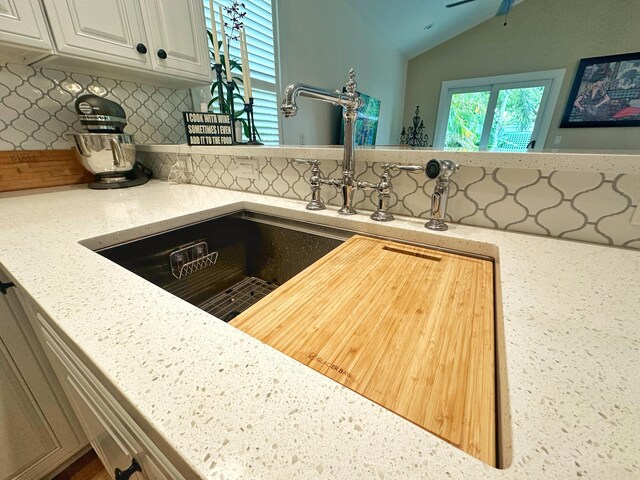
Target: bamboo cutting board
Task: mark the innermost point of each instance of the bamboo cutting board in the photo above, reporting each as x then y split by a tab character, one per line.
23	169
409	328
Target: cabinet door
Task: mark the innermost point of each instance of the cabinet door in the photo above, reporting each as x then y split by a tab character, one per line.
112	450
116	438
177	27
36	432
22	23
105	30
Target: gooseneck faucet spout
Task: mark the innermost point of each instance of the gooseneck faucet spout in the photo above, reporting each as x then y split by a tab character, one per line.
350	102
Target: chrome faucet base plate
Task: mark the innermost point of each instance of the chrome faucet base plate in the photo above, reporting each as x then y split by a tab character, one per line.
314	205
347	211
437	225
381	216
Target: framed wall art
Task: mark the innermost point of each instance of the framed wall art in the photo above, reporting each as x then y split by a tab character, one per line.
605	93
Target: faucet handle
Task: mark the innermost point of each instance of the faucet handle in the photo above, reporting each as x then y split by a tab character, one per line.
314	162
351	84
410	168
315	182
387	167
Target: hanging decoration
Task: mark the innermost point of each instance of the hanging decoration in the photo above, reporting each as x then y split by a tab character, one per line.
414	136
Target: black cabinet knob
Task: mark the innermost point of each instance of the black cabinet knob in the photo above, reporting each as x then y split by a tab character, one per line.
141	48
126	474
162	54
5	286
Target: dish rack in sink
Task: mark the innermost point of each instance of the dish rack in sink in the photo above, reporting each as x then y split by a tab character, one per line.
191	259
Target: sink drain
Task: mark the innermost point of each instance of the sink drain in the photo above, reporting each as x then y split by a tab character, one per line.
237	298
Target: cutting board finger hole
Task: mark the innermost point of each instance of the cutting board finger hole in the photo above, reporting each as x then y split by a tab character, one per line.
413	254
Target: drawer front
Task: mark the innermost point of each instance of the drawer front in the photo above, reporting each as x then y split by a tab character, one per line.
106	433
128	440
113	450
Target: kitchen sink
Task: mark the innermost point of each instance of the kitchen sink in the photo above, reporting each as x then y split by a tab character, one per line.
250	255
227	264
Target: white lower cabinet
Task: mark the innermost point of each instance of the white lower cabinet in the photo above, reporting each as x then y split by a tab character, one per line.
119	442
38	431
113	451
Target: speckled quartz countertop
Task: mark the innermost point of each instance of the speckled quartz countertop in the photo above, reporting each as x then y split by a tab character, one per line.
232	407
572	161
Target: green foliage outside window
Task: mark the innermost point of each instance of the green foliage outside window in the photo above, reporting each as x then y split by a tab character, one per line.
515	116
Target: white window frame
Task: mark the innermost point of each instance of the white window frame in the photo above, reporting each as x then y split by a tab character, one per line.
551	79
275	12
197	97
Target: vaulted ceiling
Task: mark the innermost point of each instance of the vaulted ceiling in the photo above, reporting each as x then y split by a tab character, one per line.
403	22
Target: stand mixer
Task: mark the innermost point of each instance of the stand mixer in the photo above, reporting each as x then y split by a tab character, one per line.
105	150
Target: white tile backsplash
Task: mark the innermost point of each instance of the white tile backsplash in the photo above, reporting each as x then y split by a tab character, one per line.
586	206
37	107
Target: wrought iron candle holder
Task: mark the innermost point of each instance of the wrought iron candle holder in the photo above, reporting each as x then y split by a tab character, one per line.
218	69
232	113
414	136
248	107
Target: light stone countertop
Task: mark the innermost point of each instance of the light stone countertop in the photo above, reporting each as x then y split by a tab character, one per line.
623	161
232	407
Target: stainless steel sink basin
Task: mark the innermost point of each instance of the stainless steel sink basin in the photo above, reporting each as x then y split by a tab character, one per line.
255	254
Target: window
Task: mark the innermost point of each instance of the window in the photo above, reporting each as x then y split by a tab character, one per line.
259	27
508	113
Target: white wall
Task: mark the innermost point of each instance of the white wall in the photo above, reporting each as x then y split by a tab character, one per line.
318	42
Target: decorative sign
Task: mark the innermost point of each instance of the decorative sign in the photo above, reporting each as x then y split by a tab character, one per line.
205	128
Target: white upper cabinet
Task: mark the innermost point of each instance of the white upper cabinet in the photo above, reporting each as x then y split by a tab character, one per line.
108	30
22	25
163	42
178	46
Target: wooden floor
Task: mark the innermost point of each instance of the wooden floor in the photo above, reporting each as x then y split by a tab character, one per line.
87	467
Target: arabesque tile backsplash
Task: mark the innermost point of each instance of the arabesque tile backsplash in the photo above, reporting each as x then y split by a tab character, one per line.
588	206
37	107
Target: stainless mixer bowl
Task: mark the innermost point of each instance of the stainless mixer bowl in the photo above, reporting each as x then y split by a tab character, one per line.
108	155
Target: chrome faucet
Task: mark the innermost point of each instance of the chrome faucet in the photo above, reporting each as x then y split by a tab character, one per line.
440	171
384	189
350	102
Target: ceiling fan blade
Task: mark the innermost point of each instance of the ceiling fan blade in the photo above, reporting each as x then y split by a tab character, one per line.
504	7
461	2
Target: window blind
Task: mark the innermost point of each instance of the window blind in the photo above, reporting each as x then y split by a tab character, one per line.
258	24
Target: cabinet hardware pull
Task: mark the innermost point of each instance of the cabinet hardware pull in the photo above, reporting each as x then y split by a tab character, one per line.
5	286
126	474
141	48
162	54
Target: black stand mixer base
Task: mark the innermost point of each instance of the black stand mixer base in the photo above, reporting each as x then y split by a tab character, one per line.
124	184
138	176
